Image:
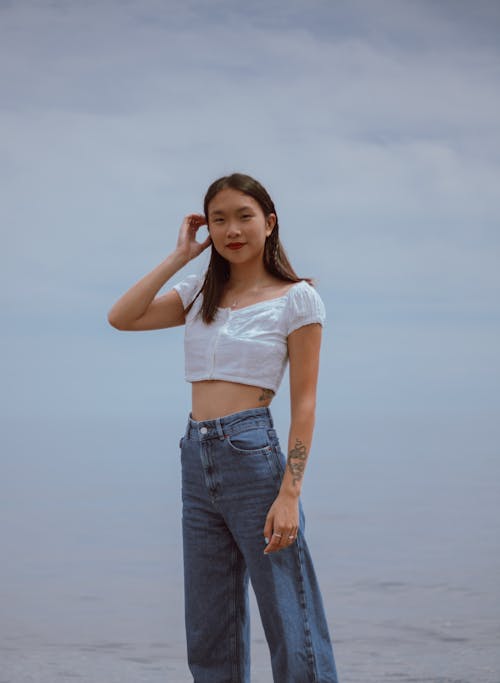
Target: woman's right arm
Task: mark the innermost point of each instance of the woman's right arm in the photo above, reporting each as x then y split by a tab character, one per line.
138	309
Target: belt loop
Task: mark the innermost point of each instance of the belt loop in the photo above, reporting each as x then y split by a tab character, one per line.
220	431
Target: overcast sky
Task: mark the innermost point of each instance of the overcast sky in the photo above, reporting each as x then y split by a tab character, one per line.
375	127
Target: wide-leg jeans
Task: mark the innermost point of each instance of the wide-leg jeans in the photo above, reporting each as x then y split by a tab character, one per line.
232	469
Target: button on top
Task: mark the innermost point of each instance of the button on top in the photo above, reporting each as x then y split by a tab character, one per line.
203	430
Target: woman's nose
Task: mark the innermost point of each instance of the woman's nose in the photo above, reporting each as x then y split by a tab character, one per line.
233	229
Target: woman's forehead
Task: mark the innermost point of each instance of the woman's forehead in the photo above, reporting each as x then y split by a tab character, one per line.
231	200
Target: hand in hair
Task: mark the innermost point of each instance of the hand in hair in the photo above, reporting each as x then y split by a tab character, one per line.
186	241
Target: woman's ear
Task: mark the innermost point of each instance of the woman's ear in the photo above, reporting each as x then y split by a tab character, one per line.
271	222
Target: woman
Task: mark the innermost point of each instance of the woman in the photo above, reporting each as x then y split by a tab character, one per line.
245	318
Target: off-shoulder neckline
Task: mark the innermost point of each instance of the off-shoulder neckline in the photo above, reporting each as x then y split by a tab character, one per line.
264	301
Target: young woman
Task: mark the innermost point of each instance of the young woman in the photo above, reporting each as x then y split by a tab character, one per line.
245	318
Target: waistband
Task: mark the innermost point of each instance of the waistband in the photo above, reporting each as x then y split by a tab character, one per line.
228	424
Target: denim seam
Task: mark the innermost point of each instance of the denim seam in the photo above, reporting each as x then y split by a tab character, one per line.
274	471
254	451
278	466
233	638
307	629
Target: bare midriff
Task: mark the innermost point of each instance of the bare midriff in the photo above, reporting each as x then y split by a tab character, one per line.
216	398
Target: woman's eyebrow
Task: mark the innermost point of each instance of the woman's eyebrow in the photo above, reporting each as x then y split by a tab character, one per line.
217	212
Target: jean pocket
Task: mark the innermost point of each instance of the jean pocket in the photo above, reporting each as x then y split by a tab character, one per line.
250	441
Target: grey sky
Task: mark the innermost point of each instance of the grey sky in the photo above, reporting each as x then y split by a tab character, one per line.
373	124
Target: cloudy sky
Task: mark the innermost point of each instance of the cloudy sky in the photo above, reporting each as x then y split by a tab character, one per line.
375	127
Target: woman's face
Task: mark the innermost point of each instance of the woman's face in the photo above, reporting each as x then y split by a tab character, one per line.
235	218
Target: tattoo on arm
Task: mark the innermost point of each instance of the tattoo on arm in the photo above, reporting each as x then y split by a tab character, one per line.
297	460
266	394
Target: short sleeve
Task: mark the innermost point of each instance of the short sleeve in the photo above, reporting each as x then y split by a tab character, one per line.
188	288
305	306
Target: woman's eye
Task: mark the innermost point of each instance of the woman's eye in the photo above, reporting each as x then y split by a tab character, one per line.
247	215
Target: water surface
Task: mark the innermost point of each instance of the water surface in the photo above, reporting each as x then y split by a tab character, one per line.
402	520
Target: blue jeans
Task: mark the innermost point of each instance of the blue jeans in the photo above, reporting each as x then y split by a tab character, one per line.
232	468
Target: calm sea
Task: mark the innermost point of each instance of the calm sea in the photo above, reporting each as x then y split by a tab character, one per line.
403	521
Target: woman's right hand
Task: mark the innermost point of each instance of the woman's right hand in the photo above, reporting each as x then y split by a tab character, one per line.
186	242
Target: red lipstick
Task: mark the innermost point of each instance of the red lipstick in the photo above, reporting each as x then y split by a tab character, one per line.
235	245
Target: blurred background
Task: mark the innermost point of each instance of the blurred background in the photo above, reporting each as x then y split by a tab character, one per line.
375	128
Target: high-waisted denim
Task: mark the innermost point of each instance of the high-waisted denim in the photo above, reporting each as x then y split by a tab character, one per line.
232	469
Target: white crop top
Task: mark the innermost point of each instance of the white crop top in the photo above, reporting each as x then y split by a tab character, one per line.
246	345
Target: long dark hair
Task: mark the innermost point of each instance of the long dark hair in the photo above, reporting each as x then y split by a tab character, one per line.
275	259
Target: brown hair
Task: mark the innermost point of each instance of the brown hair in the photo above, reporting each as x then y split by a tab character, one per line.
275	259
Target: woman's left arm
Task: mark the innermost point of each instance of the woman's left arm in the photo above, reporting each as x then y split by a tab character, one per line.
282	520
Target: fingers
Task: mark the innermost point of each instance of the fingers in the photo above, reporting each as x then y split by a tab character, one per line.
187	236
280	539
274	543
192	222
281	526
195	220
206	243
268	528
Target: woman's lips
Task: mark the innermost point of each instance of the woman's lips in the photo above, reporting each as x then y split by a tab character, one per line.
236	245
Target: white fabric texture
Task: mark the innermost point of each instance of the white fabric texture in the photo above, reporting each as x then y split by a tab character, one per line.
246	345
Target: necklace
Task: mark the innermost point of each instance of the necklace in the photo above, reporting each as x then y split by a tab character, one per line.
236	301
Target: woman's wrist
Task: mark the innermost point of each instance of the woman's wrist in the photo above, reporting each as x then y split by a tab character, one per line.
289	489
179	257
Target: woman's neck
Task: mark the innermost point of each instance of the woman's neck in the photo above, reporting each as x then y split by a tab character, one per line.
247	277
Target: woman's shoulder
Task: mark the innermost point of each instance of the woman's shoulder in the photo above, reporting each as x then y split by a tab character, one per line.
303	291
304	306
188	287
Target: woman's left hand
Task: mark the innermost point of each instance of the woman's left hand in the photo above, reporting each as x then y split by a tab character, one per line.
282	523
